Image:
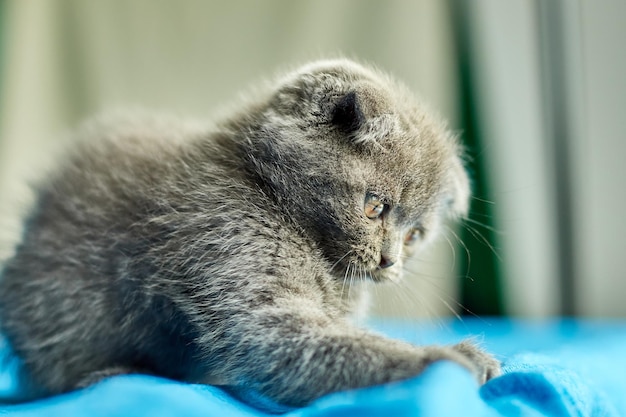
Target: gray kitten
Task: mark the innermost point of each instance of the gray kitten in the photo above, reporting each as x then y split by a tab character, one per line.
225	256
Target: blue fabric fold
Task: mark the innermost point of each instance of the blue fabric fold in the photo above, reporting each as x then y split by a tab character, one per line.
541	383
551	369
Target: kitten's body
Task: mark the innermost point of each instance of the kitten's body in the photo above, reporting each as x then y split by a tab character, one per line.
224	256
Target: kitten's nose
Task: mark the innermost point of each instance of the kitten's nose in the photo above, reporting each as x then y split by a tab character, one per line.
385	262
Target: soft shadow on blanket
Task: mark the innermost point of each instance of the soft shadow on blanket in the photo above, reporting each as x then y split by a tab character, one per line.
555	368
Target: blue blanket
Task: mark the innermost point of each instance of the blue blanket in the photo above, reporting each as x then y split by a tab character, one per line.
555	368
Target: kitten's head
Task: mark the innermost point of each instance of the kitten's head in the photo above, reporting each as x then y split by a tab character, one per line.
358	164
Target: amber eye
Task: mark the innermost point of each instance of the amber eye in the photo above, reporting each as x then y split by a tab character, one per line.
412	236
374	207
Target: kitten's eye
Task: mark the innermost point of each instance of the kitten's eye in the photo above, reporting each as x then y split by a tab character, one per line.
413	236
374	207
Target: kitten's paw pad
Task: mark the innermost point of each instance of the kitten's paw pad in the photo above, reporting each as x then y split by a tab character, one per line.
483	365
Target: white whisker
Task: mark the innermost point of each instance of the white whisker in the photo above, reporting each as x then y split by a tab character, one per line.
479	236
483	225
482	200
340	259
429	280
467	251
351	269
345	278
445	236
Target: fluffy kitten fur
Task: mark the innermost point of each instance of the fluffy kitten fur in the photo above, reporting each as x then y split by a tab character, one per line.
224	255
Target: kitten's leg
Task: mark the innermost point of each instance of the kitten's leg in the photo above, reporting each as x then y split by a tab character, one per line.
295	358
97	376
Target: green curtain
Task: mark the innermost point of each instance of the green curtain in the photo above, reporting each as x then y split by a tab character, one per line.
480	280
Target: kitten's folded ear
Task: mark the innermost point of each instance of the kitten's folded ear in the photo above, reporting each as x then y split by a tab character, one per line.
347	114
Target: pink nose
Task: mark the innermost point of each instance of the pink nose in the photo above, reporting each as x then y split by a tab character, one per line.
385	262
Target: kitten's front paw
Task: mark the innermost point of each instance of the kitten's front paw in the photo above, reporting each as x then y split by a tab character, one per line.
482	364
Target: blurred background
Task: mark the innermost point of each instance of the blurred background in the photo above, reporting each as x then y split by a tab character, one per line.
536	89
